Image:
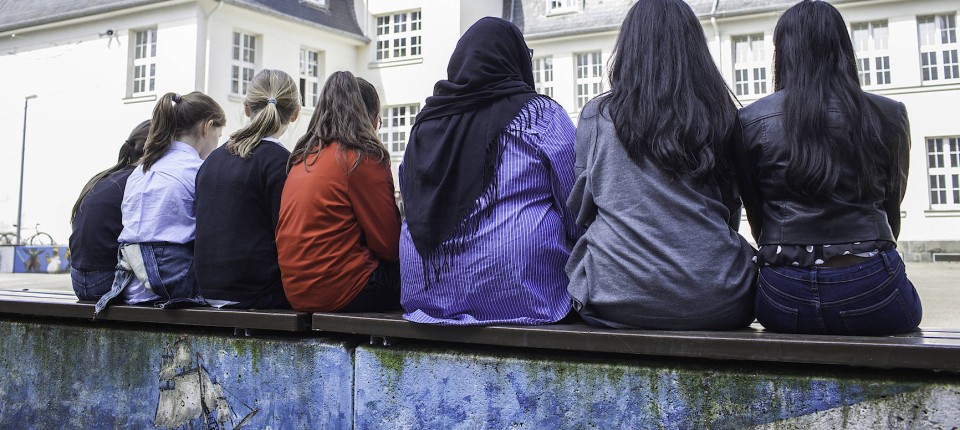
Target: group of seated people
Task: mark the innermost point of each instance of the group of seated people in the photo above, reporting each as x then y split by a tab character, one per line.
515	216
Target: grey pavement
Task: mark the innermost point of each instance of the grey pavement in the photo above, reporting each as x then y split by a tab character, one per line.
937	283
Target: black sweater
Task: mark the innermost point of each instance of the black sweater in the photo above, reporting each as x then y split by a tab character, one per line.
93	243
237	205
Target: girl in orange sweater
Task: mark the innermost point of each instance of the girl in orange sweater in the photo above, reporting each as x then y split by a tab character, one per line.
339	226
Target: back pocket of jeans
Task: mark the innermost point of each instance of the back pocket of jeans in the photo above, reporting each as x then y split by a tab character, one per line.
774	316
889	316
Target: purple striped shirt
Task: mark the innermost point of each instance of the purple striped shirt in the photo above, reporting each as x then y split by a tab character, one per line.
512	270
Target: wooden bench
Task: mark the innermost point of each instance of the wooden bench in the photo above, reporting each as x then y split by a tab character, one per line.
61	304
930	349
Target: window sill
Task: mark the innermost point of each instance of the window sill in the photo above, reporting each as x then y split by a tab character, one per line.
561	12
395	63
938	82
139	99
942	213
235	98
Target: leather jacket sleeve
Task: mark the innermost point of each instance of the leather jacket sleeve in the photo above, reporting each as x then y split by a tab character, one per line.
743	161
897	188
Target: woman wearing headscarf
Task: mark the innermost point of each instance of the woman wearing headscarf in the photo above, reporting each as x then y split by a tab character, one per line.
484	179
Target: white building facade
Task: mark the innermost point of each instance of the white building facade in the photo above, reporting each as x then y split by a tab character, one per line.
98	67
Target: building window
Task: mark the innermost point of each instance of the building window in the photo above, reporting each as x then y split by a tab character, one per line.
938	47
315	3
870	40
589	77
749	65
143	71
309	77
543	75
395	127
244	61
943	165
561	6
399	36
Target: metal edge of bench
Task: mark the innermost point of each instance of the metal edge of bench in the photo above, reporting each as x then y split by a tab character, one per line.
202	317
910	351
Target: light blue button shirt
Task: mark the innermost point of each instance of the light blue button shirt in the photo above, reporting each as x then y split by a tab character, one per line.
158	205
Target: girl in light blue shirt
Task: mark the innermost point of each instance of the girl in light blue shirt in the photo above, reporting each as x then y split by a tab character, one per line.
155	260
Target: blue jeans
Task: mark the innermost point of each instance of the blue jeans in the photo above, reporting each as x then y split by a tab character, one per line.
167	267
90	285
871	298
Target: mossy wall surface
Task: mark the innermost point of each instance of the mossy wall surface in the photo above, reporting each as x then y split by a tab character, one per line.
422	387
100	376
76	376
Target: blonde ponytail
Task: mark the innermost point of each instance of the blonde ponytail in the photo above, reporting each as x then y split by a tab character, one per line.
272	99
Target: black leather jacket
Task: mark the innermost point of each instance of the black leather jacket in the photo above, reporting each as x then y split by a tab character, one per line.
778	215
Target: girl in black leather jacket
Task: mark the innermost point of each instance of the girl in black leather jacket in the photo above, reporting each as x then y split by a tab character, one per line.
822	168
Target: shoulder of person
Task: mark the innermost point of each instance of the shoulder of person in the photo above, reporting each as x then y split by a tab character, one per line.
889	107
592	108
765	107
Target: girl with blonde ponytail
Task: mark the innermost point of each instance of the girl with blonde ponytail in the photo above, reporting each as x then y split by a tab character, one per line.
155	260
238	199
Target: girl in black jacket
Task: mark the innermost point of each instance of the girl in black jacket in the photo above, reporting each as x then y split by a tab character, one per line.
822	168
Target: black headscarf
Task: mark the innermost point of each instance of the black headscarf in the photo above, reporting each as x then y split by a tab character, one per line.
454	149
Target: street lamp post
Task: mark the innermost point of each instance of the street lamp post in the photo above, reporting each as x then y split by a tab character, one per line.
23	151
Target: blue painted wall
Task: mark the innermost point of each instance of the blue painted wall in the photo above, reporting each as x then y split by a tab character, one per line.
41	259
98	376
91	377
405	387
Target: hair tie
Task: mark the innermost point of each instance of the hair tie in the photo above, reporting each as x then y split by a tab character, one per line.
272	100
177	98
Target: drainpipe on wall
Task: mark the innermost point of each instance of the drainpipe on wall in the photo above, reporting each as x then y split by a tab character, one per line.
202	79
716	33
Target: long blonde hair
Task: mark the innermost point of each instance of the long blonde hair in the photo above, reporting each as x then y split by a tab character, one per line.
273	100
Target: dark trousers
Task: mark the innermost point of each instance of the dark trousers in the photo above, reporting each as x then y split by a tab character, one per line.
382	292
873	297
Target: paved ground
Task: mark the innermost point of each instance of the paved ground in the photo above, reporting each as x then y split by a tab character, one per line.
937	283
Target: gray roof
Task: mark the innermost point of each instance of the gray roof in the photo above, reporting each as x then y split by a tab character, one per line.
338	16
16	14
607	15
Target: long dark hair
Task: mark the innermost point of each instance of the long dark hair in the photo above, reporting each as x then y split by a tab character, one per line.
175	114
668	102
130	153
346	113
815	65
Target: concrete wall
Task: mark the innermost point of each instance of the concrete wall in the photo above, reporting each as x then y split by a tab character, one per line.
75	375
84	377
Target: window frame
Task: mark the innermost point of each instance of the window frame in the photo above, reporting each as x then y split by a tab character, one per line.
593	84
560	7
146	63
943	172
399	36
939	49
543	75
242	68
875	55
751	74
395	127
309	83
